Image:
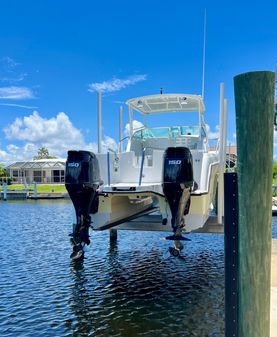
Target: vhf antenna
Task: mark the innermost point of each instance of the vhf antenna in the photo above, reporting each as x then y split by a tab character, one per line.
204	55
275	99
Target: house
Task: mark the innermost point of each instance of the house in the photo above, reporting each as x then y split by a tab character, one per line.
44	171
231	155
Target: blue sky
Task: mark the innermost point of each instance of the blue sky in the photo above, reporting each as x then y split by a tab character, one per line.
53	52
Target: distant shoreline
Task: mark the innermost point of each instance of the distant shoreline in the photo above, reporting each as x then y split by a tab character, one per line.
43	191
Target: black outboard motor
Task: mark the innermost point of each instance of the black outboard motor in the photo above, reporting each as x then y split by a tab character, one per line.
82	180
178	182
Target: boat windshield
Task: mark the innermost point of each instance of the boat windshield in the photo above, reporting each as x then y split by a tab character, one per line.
167	132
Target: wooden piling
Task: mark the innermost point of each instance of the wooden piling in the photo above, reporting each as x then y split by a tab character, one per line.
254	99
113	234
35	190
5	191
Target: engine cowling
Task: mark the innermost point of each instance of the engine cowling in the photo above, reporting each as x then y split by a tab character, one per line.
177	178
82	179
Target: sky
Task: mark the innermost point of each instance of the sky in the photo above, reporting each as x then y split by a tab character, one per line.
55	55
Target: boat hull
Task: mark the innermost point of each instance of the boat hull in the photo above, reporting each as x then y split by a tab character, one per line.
117	209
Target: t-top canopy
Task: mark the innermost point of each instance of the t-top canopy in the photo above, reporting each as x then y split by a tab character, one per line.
167	103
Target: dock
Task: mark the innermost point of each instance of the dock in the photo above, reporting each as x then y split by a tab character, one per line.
24	195
274	206
51	195
273	298
14	195
212	226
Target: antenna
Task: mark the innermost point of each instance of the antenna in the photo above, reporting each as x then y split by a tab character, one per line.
204	55
275	100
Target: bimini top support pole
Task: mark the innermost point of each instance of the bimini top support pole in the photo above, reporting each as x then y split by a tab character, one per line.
130	120
99	113
120	128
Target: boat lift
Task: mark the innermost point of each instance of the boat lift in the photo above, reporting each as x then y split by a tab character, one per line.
247	206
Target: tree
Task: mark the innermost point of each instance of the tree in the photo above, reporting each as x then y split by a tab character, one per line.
43	153
274	171
3	172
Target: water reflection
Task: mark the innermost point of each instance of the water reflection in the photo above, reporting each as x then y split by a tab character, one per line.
141	293
131	287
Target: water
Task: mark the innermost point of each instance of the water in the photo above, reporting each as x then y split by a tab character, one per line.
132	288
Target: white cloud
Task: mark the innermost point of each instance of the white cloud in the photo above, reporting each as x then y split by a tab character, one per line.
9	63
116	84
16	78
136	125
15	153
9	70
57	134
19	106
212	134
16	93
109	143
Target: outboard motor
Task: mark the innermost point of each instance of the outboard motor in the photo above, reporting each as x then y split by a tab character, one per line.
82	180
177	184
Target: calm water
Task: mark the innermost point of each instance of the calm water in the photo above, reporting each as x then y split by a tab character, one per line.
132	288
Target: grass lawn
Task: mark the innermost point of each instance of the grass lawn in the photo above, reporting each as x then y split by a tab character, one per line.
41	188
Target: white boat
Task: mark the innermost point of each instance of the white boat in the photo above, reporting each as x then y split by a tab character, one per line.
165	180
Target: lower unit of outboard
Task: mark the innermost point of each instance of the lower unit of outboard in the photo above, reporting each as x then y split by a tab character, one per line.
82	179
177	184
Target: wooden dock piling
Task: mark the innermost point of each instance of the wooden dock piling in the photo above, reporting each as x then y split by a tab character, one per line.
254	99
113	234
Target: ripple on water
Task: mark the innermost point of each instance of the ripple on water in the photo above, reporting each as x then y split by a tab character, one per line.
130	288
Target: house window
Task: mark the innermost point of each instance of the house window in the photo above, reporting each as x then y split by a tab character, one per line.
56	176
37	176
15	173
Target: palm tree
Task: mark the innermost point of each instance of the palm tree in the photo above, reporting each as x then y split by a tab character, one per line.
43	153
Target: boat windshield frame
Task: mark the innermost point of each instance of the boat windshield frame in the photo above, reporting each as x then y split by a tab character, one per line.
169	132
168	103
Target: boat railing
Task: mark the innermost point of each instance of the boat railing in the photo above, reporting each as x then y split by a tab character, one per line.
120	143
141	165
108	168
